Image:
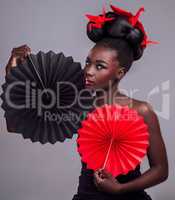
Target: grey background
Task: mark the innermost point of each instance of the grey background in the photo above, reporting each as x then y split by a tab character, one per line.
34	172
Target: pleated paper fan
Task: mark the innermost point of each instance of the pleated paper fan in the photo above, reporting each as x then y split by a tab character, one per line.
49	95
113	137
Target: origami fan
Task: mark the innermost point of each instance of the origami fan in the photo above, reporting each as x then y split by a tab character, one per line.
44	97
113	137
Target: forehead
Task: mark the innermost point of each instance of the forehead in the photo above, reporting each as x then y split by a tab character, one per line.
102	53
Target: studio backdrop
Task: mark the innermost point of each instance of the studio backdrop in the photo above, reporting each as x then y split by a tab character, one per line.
32	171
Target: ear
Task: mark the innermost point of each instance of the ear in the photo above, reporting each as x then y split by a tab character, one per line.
120	72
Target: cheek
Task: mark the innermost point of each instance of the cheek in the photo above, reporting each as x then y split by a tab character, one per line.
103	78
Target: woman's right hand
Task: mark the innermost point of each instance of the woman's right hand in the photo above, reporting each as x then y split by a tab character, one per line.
18	55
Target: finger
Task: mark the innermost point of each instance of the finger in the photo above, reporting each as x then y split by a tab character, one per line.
23	60
95	174
21	49
103	176
24	50
26	54
97	177
100	171
97	185
28	50
26	46
106	173
20	54
103	171
18	48
12	62
97	171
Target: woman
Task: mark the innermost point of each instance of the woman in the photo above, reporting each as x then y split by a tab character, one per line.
118	44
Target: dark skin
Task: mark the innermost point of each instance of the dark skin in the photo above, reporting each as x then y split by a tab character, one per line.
102	67
101	73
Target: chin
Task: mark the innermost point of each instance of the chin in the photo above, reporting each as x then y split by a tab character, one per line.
89	87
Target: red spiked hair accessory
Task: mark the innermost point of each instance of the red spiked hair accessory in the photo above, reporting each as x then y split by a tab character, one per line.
99	21
135	22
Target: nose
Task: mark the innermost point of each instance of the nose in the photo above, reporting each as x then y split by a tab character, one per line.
89	71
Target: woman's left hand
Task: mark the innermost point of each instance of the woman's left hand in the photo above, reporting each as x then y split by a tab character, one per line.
104	181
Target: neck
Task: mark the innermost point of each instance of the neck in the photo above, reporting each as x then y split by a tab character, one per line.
107	95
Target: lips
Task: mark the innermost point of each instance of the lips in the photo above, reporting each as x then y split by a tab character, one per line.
89	82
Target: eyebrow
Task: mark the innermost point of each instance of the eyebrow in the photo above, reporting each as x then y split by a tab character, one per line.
101	61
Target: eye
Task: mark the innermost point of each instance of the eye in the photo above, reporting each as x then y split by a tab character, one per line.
100	66
87	62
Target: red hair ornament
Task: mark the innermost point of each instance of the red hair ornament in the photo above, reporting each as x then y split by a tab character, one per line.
99	20
134	21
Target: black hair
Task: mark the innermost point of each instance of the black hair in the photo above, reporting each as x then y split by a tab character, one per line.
121	36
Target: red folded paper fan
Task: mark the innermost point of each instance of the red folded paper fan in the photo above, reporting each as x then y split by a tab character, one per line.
113	137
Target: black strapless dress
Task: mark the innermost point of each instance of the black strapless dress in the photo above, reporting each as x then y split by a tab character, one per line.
88	191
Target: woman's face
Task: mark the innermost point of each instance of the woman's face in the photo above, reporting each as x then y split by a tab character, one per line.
101	67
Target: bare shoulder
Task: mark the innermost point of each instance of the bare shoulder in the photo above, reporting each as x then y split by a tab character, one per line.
145	109
142	107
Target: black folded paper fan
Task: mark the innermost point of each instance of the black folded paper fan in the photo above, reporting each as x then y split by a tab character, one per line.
44	97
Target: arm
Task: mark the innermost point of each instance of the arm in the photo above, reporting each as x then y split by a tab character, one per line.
157	157
18	55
